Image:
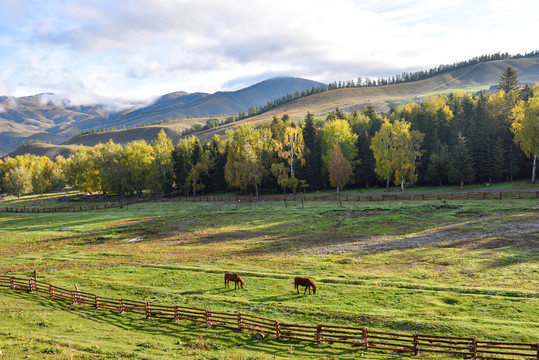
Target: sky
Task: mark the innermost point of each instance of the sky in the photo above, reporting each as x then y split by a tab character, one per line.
134	50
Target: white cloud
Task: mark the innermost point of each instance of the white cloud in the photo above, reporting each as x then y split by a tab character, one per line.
142	48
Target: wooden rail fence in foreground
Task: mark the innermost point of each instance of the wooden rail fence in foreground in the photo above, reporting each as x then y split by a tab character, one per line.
298	197
415	344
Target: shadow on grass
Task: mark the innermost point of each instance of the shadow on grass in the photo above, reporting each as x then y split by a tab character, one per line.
193	336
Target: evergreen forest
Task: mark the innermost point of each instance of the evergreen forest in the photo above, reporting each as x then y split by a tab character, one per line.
459	139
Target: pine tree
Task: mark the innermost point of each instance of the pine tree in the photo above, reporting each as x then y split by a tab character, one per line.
498	159
438	169
461	169
481	147
508	80
311	170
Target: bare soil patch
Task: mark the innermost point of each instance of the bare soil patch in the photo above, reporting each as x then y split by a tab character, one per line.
448	234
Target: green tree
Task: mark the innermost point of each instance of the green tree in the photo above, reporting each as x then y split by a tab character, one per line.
58	178
508	80
438	170
111	167
137	159
282	174
461	169
40	171
81	171
338	132
185	156
247	147
197	171
498	159
217	148
161	175
18	181
312	168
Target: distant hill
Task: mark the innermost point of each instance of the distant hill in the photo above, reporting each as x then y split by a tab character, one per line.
37	118
476	77
181	105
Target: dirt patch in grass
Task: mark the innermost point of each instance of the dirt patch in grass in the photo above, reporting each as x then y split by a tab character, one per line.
409	210
462	236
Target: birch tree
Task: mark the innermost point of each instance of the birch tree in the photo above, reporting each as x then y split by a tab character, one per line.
247	147
525	126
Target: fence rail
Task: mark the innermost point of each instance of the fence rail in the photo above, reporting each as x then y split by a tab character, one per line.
298	197
468	347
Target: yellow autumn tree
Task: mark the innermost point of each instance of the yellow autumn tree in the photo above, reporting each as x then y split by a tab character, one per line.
396	150
525	126
292	150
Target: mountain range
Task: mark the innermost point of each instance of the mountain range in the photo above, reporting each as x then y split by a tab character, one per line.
36	118
42	117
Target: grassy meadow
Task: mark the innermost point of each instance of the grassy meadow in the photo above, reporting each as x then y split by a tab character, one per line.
482	280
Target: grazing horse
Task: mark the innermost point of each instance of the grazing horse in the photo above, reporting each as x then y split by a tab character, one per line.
308	283
233	277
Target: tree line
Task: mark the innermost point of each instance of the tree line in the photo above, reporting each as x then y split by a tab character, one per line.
460	138
367	82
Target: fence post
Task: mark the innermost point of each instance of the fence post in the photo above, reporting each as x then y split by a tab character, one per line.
51	290
277	330
318	334
474	348
12	282
32	284
73	297
176	313
240	325
366	338
122	307
416	344
484	195
96	301
207	316
147	310
501	196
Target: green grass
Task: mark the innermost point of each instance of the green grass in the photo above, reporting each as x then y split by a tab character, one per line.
479	285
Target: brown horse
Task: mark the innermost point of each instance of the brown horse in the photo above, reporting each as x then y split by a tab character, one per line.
233	277
308	283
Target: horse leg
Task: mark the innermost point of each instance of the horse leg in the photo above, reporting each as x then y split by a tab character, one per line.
305	290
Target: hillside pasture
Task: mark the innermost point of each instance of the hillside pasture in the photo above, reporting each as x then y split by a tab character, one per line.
479	278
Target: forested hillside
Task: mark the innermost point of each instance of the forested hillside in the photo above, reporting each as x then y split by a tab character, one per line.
459	138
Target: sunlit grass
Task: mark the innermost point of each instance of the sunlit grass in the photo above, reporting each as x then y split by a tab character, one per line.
483	286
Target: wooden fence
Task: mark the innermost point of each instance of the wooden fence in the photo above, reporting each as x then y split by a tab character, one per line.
284	198
468	347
